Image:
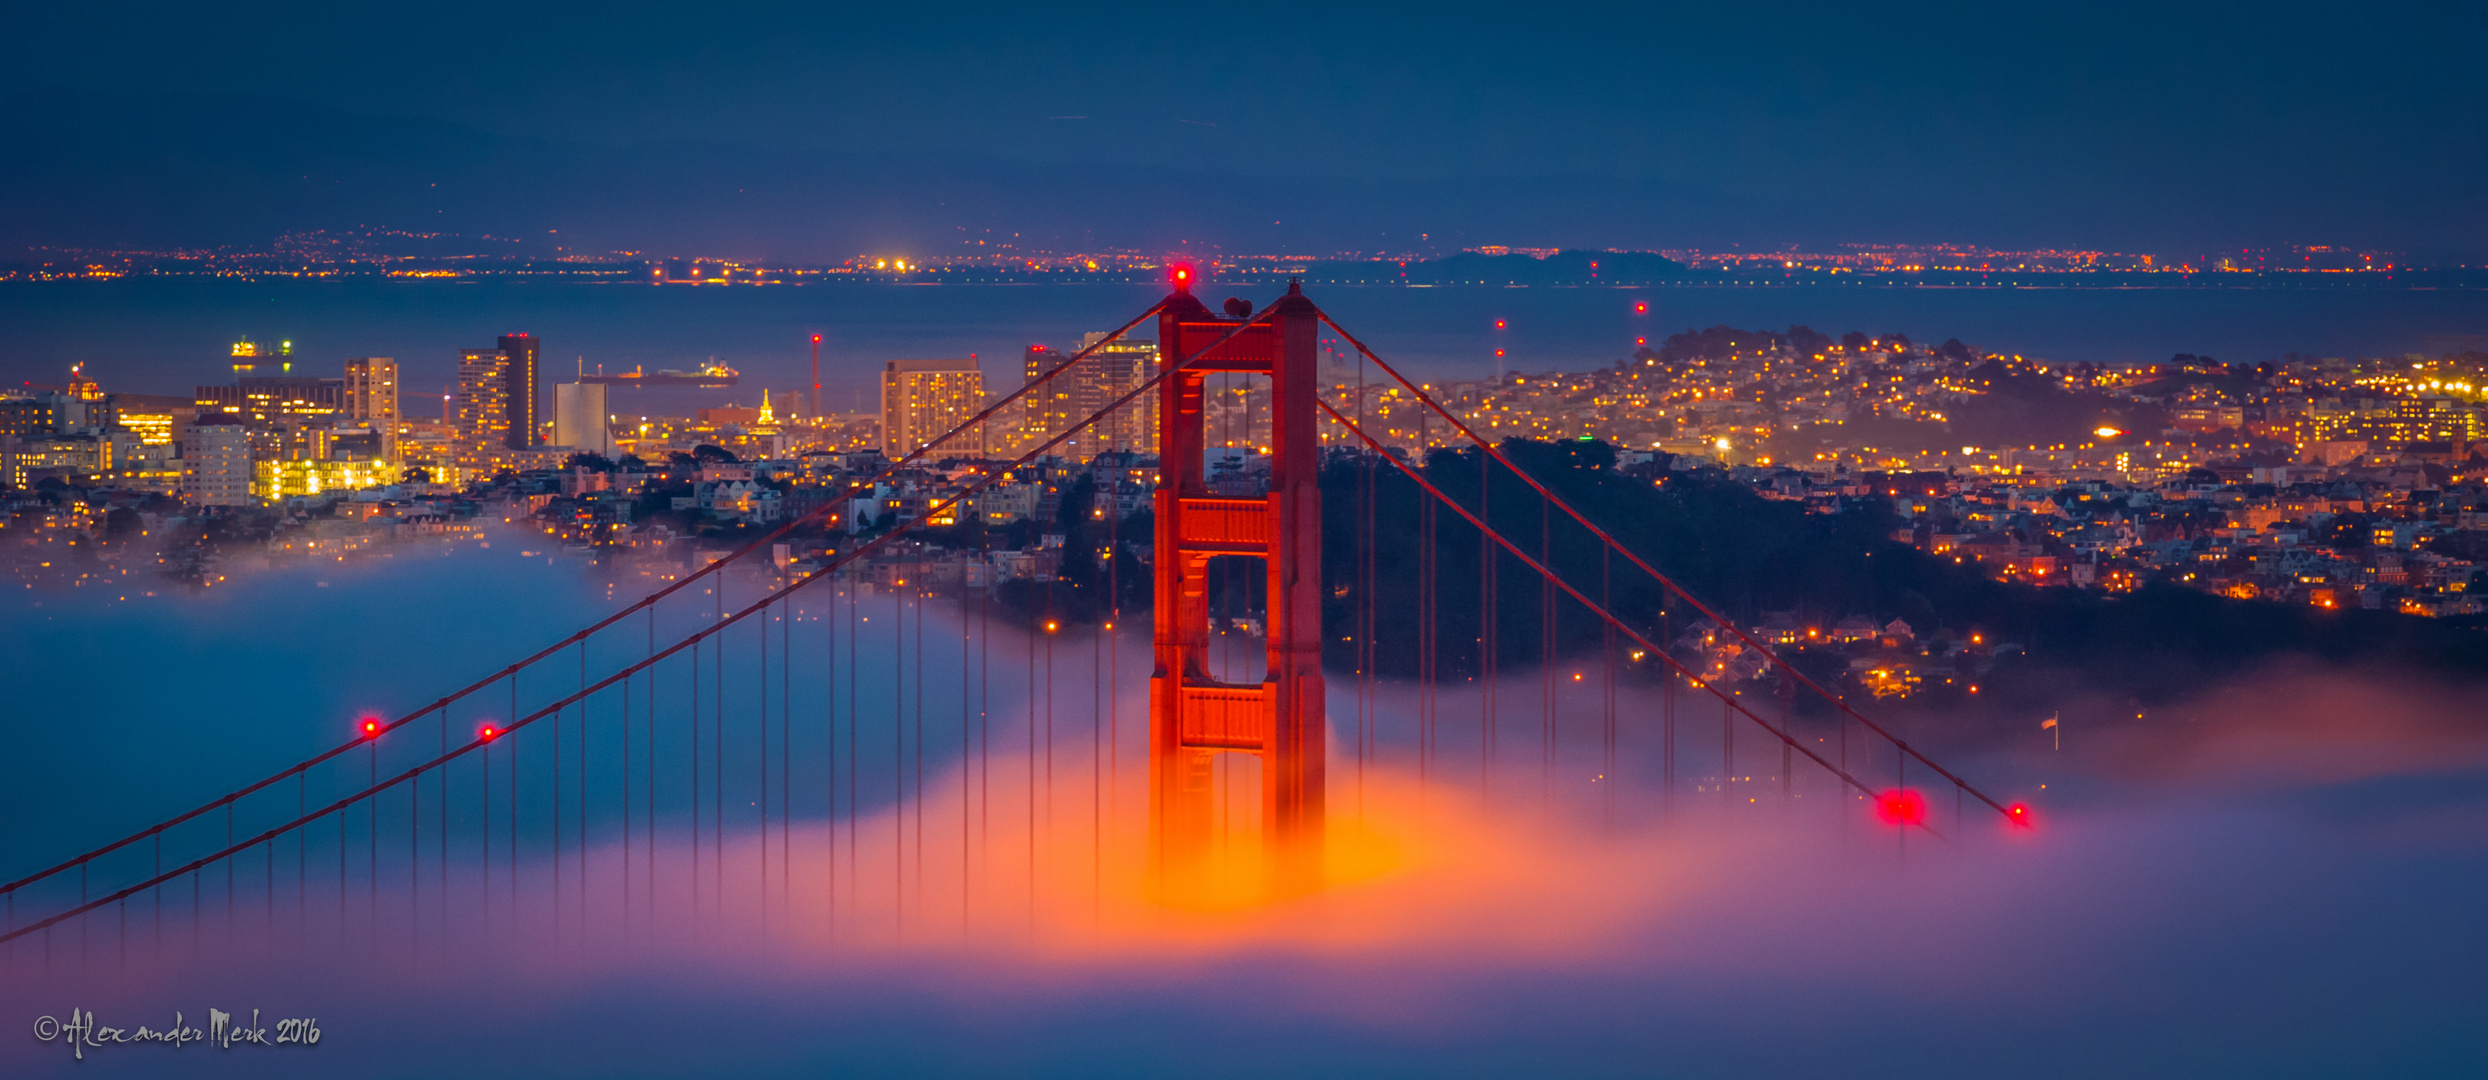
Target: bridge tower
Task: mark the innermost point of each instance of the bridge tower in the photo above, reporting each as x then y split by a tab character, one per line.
1192	716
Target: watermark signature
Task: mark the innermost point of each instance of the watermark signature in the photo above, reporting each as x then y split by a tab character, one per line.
83	1032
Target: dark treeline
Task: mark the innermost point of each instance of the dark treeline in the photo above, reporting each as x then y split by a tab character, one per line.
1745	555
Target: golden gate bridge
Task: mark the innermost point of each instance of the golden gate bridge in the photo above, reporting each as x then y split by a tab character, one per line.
598	778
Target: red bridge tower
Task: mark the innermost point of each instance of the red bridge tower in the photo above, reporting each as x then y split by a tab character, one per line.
1193	716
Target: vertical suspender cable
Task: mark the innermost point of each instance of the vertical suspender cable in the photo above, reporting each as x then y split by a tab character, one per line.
764	772
1486	627
697	840
584	704
717	757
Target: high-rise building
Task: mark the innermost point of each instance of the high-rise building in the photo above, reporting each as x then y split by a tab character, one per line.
923	399
1044	410
371	397
481	430
580	418
1118	368
520	389
216	463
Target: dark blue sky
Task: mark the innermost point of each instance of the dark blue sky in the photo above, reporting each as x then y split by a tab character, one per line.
2172	128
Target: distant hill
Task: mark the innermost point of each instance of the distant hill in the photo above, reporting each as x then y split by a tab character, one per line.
1473	268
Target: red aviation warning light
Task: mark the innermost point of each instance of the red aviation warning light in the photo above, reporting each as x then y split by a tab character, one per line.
488	732
1498	324
1901	806
2018	814
1641	307
1181	275
371	729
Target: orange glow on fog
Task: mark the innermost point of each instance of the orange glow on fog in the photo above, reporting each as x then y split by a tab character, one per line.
1414	870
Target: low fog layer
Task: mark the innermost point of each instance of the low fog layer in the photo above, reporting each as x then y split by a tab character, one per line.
2280	877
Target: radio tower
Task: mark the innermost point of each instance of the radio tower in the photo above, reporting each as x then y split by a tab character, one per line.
816	378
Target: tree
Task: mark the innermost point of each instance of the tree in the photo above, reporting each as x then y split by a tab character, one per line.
1854	341
415	474
706	454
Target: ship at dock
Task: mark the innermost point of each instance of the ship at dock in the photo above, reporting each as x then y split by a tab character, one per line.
709	376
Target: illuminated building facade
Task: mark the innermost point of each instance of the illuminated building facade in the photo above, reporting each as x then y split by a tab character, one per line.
1045	410
267	400
25	460
290	479
156	419
371	398
480	420
216	463
1113	370
923	399
26	418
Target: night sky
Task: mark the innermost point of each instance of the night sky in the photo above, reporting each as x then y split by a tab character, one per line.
811	131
